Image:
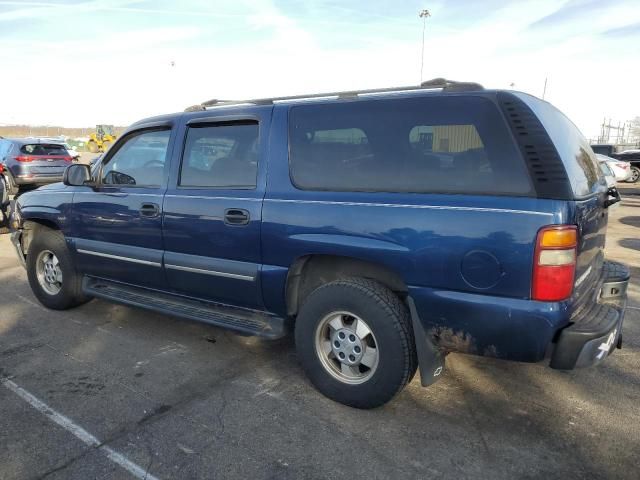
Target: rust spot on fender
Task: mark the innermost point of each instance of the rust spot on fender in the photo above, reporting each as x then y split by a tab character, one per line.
455	341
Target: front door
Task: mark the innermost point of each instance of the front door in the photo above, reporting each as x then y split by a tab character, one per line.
212	210
117	227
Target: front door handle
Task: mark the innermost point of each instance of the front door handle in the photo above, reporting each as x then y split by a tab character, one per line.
149	210
236	216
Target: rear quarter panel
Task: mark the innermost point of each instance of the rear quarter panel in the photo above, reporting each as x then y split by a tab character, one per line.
466	259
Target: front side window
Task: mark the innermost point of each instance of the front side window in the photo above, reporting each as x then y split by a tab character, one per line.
421	145
221	156
139	161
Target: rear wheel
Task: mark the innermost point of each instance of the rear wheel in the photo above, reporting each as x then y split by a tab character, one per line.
51	272
635	175
355	342
105	145
93	147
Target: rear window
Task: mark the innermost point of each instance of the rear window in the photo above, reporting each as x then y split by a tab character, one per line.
577	155
421	145
43	149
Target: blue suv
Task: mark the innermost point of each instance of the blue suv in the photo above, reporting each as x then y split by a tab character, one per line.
385	228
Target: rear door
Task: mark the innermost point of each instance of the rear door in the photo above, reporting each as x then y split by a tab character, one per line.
213	208
117	226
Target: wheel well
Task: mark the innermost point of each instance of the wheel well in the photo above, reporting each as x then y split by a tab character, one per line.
30	227
309	272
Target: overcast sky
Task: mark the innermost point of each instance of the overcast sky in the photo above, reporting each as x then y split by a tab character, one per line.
82	62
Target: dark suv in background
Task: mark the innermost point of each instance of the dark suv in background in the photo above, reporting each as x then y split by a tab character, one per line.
27	163
633	157
386	228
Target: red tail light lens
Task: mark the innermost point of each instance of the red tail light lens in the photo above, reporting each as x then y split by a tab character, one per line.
23	158
1	168
554	265
68	159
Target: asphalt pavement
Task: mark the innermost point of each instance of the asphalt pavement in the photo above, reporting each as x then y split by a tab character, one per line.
108	392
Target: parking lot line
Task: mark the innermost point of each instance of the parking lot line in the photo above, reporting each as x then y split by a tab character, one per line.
79	432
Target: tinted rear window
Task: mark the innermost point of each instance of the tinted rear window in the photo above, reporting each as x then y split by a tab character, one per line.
418	144
42	149
577	155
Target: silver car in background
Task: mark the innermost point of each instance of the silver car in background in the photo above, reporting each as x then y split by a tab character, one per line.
620	169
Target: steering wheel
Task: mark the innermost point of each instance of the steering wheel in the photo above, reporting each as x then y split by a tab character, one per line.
151	163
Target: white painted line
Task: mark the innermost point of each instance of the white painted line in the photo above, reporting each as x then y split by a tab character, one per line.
80	433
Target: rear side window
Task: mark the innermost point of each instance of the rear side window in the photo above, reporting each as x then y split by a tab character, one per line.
221	156
577	155
422	145
42	149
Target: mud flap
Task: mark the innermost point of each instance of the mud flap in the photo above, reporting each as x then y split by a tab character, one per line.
430	359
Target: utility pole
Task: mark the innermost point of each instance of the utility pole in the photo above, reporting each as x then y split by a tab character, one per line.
544	90
424	14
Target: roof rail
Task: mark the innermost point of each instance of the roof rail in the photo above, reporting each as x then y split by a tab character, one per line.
436	83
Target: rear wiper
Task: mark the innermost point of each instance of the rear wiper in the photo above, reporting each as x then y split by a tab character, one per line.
613	197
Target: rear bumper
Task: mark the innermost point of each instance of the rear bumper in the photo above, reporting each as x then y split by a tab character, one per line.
37	179
595	331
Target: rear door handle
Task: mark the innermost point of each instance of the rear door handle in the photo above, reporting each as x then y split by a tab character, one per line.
236	216
149	210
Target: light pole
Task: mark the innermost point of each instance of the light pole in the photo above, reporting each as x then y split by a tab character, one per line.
424	14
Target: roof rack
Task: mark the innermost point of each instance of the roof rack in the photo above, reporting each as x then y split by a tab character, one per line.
436	83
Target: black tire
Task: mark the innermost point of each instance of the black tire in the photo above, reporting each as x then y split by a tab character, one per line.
635	175
70	294
4	192
389	321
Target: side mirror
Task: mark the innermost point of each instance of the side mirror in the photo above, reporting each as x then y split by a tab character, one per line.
77	175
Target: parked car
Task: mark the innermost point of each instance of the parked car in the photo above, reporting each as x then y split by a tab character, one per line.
385	228
28	163
75	155
609	176
620	169
633	157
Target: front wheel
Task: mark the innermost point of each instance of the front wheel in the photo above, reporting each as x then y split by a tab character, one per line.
635	175
355	342
51	272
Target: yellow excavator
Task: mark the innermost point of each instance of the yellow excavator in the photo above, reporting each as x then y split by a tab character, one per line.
101	139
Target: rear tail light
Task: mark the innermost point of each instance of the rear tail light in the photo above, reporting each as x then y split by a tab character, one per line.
68	158
23	158
1	168
554	265
623	165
